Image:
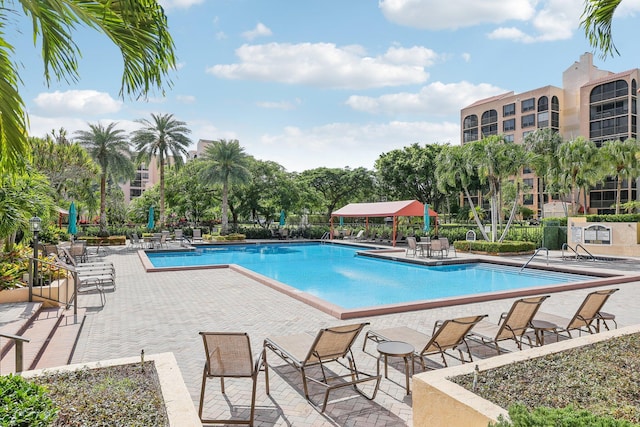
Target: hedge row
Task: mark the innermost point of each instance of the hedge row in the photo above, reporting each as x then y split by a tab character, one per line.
494	247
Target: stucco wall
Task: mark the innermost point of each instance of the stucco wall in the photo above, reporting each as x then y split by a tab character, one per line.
624	237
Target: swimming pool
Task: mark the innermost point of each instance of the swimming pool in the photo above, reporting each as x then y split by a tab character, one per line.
337	274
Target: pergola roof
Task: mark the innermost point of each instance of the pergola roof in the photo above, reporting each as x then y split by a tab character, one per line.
399	208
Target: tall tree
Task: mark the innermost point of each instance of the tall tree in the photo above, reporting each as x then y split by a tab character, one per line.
226	165
596	21
109	148
164	139
618	159
138	28
542	146
337	187
409	173
493	161
577	167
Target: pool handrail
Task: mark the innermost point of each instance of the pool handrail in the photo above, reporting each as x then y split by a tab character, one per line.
533	256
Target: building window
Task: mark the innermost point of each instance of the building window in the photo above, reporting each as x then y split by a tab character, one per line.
508	110
543	103
135	192
555	104
526	170
470	128
524	134
528	183
470	122
470	135
508	137
508	125
527	199
543	119
490	116
609	90
555	120
489	123
528	121
528	105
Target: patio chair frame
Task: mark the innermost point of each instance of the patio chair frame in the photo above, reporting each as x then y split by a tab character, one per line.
505	330
320	353
217	369
439	342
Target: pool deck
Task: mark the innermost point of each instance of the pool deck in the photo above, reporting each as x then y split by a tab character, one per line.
163	312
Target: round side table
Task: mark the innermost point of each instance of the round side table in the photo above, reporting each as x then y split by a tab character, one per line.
396	349
539	328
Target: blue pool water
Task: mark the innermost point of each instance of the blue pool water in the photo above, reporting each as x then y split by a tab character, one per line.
335	273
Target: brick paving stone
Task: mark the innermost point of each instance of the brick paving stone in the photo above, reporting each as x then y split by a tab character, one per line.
163	312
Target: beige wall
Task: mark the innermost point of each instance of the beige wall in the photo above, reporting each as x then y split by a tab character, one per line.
624	237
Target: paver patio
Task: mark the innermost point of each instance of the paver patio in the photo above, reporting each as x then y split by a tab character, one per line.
163	312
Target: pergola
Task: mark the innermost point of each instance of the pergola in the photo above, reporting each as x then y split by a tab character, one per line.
382	209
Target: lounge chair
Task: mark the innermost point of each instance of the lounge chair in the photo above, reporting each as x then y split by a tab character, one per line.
228	355
359	236
303	351
177	235
447	335
513	325
586	319
197	235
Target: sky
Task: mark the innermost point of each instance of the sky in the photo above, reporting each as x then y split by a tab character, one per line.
331	83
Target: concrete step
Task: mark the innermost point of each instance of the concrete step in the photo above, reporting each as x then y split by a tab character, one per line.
14	320
52	334
59	349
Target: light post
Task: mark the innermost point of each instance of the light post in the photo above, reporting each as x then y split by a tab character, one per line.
35	225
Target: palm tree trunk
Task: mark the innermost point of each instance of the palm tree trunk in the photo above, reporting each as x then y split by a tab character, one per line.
161	192
618	193
225	207
103	205
475	214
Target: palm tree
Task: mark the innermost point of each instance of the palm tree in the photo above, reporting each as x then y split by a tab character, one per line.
227	164
577	166
596	21
109	148
453	174
541	146
165	139
619	160
138	28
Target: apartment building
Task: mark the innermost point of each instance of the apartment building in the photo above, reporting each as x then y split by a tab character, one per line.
596	104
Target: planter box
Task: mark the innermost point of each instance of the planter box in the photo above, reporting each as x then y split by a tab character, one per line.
440	402
56	291
178	403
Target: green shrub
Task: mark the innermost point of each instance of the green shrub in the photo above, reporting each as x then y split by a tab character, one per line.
25	403
565	417
614	218
494	247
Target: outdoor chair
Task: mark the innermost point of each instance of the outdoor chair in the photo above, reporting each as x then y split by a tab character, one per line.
447	335
587	318
413	248
446	246
436	247
513	325
177	235
303	352
197	235
136	242
228	355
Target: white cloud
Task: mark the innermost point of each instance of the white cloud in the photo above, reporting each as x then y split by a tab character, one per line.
186	99
466	57
260	30
511	33
40	126
220	35
179	4
436	98
353	145
438	15
417	55
280	105
326	65
88	102
627	8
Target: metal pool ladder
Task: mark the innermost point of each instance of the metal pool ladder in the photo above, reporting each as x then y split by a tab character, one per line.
533	256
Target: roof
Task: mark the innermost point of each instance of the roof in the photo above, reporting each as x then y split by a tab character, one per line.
399	208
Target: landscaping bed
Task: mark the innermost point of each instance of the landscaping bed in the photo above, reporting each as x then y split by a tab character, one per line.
115	395
603	378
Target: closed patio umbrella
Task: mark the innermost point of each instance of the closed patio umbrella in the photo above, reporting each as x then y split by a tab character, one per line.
151	222
282	218
73	217
427	220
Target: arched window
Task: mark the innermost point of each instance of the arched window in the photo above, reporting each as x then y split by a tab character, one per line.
543	103
555	104
489	123
470	121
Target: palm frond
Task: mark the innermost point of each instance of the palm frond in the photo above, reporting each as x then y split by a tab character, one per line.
596	20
